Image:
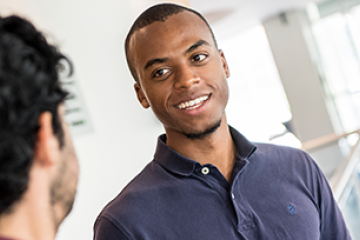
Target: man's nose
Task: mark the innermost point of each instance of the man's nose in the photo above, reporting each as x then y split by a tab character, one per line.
186	77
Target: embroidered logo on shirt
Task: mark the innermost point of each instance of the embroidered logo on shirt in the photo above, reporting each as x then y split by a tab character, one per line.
291	209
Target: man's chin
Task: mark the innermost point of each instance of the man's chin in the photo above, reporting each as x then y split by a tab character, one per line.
202	134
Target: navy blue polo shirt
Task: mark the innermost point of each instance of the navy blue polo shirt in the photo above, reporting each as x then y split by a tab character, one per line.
3	238
275	192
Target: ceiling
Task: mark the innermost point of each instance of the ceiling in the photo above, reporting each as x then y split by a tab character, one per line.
245	12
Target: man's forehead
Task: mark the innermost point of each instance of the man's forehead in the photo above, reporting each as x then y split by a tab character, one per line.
183	19
177	26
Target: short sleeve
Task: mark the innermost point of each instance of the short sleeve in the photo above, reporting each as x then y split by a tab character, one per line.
104	229
332	224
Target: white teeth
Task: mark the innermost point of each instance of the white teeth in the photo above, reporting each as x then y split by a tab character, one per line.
190	104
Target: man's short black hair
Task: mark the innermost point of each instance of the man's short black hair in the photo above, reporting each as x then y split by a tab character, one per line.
155	13
29	86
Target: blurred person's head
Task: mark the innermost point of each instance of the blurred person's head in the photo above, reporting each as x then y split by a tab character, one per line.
38	164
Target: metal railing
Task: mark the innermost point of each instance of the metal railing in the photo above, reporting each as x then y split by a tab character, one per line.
345	173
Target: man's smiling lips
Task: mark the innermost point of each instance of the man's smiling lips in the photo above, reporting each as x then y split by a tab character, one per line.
192	104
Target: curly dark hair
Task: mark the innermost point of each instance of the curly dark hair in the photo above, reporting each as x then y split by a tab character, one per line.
29	86
159	12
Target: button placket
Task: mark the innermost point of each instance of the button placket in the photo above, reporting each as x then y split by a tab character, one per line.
205	170
242	208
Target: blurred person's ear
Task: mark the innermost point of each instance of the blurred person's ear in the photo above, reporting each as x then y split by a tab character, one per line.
47	145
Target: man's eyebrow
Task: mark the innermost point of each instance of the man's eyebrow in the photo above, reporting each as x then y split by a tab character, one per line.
196	45
161	60
154	61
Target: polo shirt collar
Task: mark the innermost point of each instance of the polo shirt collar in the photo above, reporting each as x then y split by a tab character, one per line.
244	147
179	164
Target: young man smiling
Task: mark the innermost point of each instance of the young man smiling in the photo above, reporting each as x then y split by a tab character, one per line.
206	180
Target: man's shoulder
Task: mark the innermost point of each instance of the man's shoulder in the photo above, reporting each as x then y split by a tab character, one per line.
283	157
139	193
290	163
279	150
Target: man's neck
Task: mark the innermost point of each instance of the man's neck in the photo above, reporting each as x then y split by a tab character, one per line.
18	225
217	148
31	217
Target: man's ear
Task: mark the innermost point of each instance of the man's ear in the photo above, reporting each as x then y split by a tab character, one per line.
47	145
141	96
224	63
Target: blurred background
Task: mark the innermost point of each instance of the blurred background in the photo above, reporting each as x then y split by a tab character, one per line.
295	81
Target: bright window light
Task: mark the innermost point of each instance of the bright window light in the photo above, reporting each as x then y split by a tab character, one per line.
257	104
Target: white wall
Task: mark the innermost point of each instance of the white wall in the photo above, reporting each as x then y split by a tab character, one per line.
288	38
299	75
92	33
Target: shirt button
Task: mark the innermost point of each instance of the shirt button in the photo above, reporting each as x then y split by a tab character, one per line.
205	170
232	195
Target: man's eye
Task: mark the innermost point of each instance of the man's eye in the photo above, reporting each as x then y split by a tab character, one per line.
161	72
199	57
